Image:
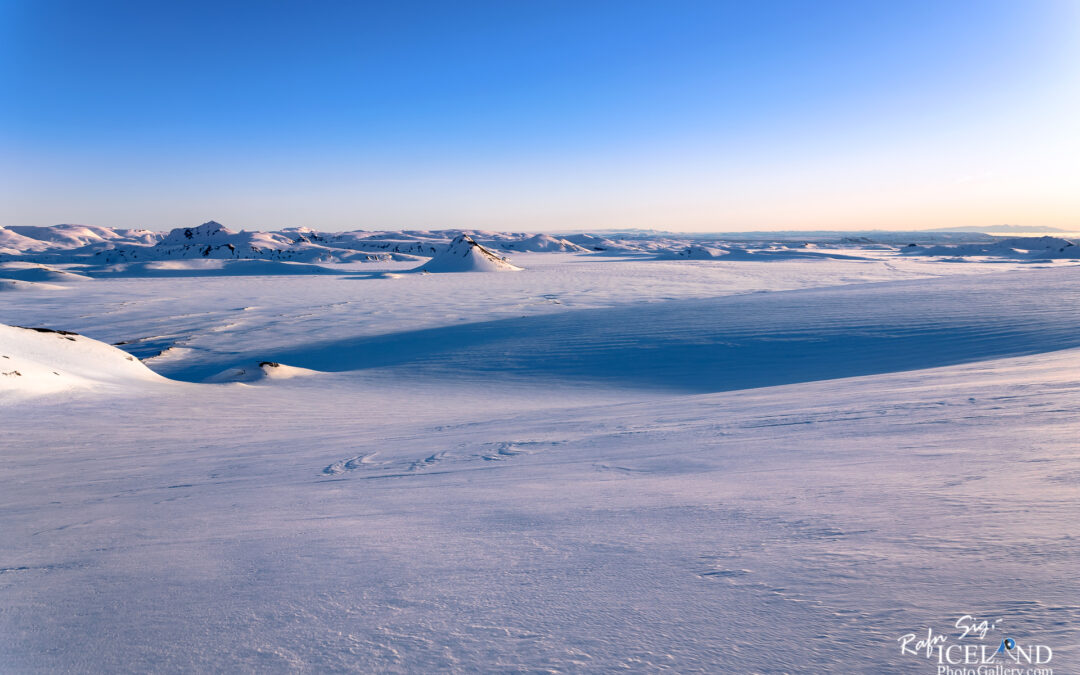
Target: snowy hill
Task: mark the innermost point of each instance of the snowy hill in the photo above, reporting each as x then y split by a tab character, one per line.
41	360
1045	247
99	249
31	272
695	252
258	372
591	242
209	233
13	243
16	285
74	236
540	243
465	255
215	241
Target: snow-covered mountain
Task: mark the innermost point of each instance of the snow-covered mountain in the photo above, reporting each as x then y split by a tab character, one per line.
73	236
465	255
214	240
99	251
12	243
78	244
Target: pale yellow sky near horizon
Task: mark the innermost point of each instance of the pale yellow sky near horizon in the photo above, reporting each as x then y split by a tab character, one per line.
942	128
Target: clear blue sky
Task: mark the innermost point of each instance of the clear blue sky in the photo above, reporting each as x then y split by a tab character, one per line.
541	115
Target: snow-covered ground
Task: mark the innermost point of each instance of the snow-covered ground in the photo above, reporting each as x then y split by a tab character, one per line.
604	461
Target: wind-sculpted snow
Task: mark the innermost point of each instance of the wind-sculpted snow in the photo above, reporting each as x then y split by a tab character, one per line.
37	360
258	372
695	252
17	285
409	526
735	342
32	272
202	267
604	462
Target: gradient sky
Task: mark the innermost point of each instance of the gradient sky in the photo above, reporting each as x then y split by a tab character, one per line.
541	115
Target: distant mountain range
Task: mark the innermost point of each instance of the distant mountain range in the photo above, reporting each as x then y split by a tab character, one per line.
998	228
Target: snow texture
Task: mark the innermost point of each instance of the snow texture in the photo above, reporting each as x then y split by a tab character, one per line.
780	459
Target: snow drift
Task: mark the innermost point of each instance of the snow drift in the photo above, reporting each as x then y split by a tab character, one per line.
16	285
31	272
263	370
694	252
212	267
42	360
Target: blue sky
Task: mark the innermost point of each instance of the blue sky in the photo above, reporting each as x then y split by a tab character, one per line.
541	115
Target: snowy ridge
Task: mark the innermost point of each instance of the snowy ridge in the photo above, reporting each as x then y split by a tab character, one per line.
36	361
100	247
214	241
33	272
76	236
540	243
17	285
1030	248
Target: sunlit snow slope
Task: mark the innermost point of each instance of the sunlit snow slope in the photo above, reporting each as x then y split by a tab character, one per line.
734	342
40	360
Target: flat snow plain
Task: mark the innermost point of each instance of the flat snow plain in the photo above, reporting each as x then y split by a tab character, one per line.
590	465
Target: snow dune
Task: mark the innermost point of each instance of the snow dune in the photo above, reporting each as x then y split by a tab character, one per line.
33	272
16	285
202	267
35	361
258	372
694	252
